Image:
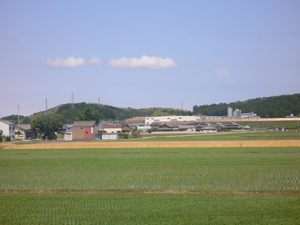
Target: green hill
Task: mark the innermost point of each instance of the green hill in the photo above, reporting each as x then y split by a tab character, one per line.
268	107
67	113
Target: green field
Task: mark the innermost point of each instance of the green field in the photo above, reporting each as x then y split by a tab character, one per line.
150	186
148	209
264	125
222	136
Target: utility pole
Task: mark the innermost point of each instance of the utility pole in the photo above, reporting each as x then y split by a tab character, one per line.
18	114
72	101
46	106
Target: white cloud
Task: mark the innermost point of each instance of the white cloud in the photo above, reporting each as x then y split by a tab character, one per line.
222	73
152	62
94	61
72	62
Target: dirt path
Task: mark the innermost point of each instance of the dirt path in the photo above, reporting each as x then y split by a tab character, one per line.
174	144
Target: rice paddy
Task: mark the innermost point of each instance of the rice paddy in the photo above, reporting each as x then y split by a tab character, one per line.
150	186
147	209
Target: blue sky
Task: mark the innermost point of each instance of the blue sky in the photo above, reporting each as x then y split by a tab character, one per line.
143	54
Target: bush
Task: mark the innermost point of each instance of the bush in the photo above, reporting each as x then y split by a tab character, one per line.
135	134
152	130
4	138
123	135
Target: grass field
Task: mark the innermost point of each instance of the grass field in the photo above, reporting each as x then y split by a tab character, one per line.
150	186
147	209
226	169
264	125
223	136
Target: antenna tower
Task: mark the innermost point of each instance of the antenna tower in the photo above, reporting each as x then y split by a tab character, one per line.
18	114
72	101
181	105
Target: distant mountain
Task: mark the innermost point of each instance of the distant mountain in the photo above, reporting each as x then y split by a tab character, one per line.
67	113
267	107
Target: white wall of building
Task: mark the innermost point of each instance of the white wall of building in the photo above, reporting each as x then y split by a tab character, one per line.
112	129
110	136
68	136
163	119
8	129
143	128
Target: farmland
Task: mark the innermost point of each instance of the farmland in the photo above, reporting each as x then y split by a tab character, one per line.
193	185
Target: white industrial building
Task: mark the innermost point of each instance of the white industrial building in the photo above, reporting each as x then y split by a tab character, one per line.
237	113
171	119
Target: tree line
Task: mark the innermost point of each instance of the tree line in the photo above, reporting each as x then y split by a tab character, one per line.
267	107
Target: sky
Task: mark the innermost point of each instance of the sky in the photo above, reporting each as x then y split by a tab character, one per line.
140	54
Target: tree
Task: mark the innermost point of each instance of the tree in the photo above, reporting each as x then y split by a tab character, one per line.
89	114
46	126
135	134
18	133
123	135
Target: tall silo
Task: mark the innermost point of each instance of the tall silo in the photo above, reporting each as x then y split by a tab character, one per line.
237	113
229	111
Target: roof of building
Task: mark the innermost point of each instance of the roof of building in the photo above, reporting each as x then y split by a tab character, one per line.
220	124
233	125
155	124
208	128
136	119
126	127
23	126
135	124
165	126
7	122
84	123
112	127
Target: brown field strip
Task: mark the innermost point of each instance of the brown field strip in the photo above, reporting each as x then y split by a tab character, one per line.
174	144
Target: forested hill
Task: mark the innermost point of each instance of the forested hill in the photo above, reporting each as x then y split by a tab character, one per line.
268	107
67	113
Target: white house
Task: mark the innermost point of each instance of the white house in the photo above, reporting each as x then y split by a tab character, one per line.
26	132
113	129
143	127
68	132
8	129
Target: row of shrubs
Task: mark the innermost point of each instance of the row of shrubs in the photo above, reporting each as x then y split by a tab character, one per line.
134	134
4	138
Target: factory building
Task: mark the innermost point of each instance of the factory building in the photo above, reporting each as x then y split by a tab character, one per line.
237	113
